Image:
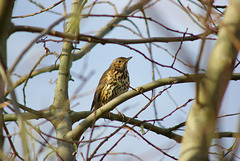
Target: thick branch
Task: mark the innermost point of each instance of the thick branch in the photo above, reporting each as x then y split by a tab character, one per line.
76	116
61	104
76	133
201	123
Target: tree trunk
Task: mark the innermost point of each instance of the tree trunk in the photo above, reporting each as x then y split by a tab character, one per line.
201	121
61	105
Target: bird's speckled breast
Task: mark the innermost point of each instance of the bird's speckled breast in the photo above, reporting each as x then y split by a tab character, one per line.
119	84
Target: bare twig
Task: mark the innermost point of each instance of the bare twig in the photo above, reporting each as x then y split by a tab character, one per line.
43	33
43	10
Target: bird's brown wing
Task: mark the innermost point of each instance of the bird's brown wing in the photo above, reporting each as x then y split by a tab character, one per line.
101	84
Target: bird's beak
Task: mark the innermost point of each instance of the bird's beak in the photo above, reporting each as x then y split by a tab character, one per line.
129	58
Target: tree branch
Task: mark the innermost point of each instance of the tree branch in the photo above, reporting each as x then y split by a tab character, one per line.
43	33
61	103
34	73
201	123
76	133
6	8
76	116
107	28
95	39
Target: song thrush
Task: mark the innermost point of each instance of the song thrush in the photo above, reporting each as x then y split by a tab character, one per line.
114	81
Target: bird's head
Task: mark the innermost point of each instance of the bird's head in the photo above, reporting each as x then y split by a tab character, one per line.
120	63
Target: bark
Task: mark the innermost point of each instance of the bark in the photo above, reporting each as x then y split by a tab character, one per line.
62	122
201	123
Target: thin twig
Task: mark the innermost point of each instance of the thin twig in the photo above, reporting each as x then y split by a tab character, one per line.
43	33
43	10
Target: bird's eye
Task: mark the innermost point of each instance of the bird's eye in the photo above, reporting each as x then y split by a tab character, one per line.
119	61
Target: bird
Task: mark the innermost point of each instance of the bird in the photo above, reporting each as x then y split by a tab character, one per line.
114	82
